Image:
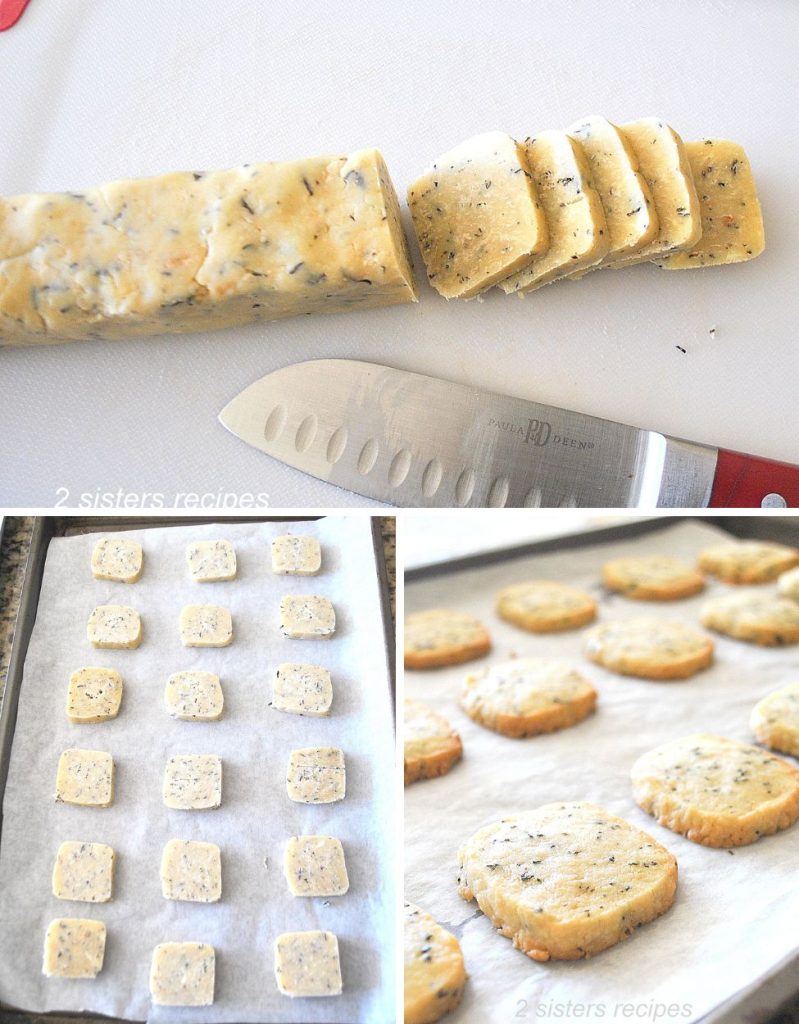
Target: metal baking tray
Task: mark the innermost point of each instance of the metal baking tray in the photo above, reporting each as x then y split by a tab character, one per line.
774	999
45	528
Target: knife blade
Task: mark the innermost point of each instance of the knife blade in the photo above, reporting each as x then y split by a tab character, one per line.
417	441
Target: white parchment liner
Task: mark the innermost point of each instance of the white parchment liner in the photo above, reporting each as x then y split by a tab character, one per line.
735	916
256	815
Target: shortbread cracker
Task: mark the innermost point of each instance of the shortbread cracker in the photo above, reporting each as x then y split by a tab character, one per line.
431	744
302	689
85	778
545	606
434	970
307	617
205	625
716	791
182	974
756	618
114	626
649	648
84	872
748	561
191	871
566	880
788	584
307	964
439	637
651	578
211	561
296	556
775	720
194	696
528	696
314	866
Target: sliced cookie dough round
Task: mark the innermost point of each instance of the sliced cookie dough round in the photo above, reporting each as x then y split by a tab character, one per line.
775	720
439	637
756	618
566	880
717	791
748	561
431	744
651	578
528	696
788	584
434	971
545	606
649	648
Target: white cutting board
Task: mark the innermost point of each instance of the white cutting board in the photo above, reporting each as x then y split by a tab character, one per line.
100	89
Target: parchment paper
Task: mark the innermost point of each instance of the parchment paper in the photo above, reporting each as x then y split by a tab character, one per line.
735	914
256	816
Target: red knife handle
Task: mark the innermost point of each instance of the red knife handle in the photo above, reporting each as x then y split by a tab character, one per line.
743	481
11	12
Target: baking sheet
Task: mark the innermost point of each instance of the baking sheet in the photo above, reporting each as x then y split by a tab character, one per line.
735	913
256	816
95	90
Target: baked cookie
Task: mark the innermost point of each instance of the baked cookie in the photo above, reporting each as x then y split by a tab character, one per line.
434	972
788	584
566	880
440	637
649	648
431	744
545	606
716	791
748	561
528	696
757	618
651	578
775	720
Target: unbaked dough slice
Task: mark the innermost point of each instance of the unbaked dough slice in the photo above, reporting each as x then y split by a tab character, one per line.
84	872
194	696
440	637
182	974
477	215
307	964
314	866
578	234
431	744
626	199
756	618
94	695
316	775
206	625
74	947
664	164
748	561
528	696
302	690
192	871
211	561
296	556
775	720
115	558
567	880
307	617
434	970
716	791
732	223
114	626
649	648
85	777
193	782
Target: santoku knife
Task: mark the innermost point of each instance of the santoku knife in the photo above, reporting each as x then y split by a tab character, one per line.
412	440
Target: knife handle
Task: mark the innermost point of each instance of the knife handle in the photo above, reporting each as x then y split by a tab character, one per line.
11	12
743	481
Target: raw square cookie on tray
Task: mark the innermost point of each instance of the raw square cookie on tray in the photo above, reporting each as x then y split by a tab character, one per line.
506	778
204	877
